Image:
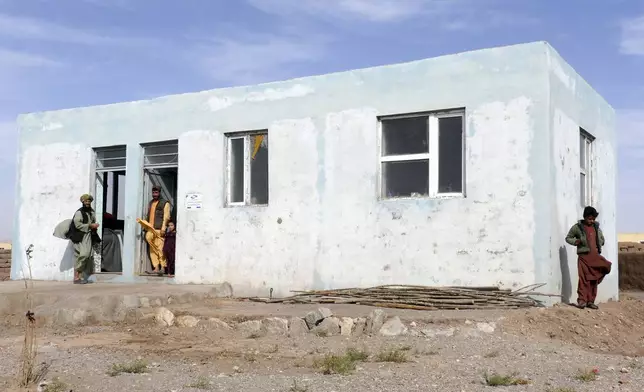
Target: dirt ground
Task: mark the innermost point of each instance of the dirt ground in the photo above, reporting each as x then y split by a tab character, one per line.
553	350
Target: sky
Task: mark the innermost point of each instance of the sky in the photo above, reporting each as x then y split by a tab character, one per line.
58	54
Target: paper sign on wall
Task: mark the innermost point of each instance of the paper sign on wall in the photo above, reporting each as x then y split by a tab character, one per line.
194	201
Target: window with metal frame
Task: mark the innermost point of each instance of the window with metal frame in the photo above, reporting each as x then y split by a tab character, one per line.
422	155
110	159
161	155
247	168
585	167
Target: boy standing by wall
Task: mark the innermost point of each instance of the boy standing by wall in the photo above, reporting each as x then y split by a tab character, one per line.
592	267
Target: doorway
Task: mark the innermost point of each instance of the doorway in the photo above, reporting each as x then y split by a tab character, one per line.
160	169
109	191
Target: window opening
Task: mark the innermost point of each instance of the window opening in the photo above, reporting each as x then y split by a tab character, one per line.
161	155
585	167
422	155
248	169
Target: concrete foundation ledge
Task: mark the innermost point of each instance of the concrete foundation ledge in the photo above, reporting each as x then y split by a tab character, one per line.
62	303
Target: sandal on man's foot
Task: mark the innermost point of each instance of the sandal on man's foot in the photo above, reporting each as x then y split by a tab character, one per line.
592	306
78	281
581	305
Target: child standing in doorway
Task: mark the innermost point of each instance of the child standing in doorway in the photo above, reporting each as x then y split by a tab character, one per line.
169	247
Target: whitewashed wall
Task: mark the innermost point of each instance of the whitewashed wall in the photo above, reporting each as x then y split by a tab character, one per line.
335	233
324	226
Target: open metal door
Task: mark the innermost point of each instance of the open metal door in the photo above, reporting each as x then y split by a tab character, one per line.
167	181
160	164
144	258
106	160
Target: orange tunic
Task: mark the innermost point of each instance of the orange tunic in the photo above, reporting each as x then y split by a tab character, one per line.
153	208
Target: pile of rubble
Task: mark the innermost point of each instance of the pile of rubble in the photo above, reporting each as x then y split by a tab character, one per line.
631	247
321	322
631	266
5	264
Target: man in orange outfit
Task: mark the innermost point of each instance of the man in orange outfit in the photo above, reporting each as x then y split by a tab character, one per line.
158	217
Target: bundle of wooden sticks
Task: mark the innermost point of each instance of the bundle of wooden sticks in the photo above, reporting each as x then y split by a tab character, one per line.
418	297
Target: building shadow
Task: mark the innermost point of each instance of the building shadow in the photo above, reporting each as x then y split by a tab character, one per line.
67	262
566	282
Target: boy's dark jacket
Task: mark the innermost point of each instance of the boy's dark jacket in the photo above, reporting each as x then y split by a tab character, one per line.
577	232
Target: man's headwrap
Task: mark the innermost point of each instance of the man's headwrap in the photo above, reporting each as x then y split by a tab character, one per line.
86	197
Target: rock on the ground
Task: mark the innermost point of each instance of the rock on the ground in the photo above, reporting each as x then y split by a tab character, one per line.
187	321
275	326
315	317
393	327
164	317
430	333
325	312
297	327
219	324
359	325
250	327
130	301
328	327
224	290
486	327
145	302
71	317
375	321
346	326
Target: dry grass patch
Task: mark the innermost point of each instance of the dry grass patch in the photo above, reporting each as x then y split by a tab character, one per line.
273	349
357	355
202	383
29	374
136	367
492	354
297	388
395	356
238	319
341	364
498	380
587	375
563	389
56	386
250	357
336	364
425	351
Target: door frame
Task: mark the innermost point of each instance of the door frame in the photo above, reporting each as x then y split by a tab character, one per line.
172	162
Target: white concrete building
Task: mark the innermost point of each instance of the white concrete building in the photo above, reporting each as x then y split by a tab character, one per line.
463	170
